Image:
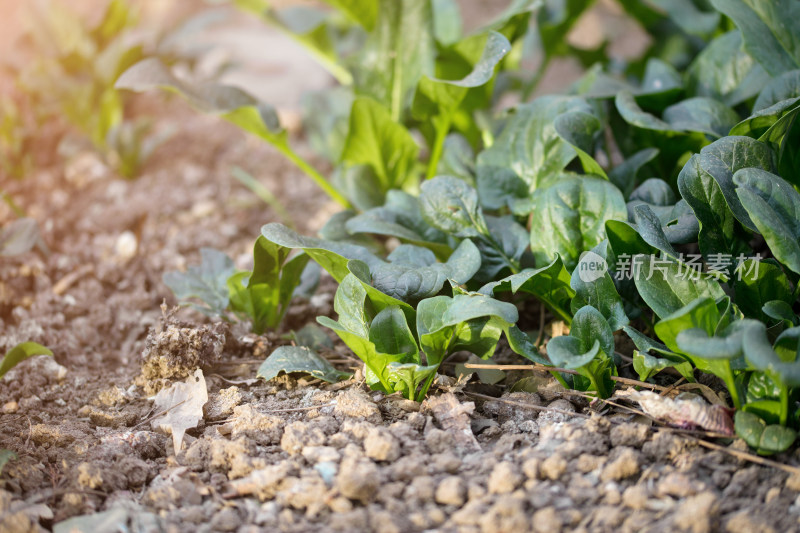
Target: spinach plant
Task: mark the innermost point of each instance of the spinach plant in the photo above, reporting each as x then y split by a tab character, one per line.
261	296
68	74
403	65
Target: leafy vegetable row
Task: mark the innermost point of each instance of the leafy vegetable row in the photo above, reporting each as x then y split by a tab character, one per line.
667	208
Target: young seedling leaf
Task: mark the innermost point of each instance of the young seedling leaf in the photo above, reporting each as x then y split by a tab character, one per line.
765	439
206	282
5	457
588	348
19	353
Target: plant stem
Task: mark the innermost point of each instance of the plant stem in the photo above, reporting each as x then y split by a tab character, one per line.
533	83
425	386
730	382
314	175
12	204
438	144
784	404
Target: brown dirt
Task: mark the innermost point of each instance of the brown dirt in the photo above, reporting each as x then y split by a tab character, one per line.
292	454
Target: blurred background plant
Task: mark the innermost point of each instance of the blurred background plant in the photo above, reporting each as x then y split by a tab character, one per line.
60	97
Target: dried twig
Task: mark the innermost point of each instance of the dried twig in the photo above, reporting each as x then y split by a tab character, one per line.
544	368
161	413
693	435
527	405
749	457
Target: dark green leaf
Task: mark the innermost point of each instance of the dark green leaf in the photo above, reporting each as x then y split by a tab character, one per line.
769	28
781	311
332	256
706	183
774	207
689	17
298	359
666	286
725	71
411	283
390	334
594	287
524	345
625	175
550	284
582	131
451	205
759	282
570	217
502	249
771	123
702	114
588	349
458	159
760	354
784	87
529	145
634	115
401	217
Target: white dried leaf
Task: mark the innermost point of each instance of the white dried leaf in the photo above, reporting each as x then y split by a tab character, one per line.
183	403
686	410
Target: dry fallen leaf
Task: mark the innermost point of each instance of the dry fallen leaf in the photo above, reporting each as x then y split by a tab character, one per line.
183	403
685	410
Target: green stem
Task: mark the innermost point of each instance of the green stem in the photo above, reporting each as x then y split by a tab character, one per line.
314	175
531	86
427	385
12	204
438	144
784	405
730	382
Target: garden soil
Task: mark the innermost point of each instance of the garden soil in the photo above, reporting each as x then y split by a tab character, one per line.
294	454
